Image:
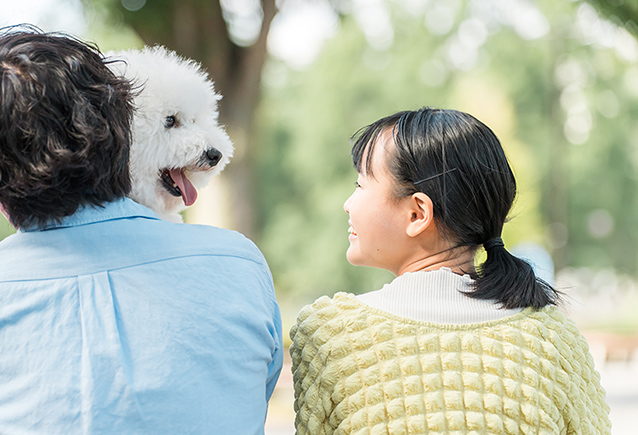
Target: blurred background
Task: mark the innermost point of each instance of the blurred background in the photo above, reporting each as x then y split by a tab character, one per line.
557	80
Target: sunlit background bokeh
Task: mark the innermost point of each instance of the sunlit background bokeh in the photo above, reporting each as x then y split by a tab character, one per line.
557	80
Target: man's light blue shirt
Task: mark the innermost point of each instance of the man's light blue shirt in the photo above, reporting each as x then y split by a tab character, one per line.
114	321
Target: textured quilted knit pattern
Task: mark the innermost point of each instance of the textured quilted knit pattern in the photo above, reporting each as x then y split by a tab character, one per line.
359	370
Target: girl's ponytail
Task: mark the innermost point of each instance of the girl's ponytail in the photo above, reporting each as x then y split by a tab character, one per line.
510	280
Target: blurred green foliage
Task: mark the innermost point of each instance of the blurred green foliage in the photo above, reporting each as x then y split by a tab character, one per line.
562	103
622	12
5	228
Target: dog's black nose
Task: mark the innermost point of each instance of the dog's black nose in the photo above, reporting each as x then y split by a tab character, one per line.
214	156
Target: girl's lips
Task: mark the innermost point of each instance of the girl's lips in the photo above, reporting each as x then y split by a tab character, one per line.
352	233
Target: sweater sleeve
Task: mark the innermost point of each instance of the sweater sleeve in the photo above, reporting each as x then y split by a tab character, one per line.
590	413
576	390
314	406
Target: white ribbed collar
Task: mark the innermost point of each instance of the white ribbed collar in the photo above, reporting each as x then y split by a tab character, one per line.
434	296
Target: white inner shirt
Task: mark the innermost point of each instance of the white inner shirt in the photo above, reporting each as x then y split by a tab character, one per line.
435	296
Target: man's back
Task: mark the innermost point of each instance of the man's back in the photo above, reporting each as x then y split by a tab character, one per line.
116	321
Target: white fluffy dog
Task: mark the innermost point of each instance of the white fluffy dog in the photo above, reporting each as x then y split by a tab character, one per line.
178	144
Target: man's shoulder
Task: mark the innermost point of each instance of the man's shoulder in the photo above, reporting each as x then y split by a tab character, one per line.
207	231
205	239
122	243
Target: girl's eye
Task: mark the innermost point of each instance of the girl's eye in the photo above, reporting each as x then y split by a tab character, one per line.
356	183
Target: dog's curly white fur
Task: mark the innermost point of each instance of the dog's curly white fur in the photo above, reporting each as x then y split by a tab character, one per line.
178	144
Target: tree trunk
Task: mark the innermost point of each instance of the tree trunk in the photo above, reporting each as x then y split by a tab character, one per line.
196	29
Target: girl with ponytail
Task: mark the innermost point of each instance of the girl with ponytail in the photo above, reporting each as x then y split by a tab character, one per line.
446	346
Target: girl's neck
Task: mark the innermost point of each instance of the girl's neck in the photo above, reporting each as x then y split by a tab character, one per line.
458	260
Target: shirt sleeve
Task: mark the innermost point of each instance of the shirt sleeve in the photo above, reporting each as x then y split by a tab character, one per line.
274	368
275	325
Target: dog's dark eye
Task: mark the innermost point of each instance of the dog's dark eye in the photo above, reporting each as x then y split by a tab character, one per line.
170	121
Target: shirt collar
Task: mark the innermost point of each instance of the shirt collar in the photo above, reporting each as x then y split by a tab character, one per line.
124	208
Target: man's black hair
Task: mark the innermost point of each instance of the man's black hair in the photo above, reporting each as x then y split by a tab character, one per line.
65	127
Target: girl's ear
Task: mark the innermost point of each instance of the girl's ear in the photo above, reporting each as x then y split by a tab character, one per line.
421	212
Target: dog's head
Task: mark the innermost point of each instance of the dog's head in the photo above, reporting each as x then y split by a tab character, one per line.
178	144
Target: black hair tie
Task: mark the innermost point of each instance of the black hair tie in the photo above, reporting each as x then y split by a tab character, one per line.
493	243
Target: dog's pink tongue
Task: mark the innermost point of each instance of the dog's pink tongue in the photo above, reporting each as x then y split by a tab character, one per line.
189	193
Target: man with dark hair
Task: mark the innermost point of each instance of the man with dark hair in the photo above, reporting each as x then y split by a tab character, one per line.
112	320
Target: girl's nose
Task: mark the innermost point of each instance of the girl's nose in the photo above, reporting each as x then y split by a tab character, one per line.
346	205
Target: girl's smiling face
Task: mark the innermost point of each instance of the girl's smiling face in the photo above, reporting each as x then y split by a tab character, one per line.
377	220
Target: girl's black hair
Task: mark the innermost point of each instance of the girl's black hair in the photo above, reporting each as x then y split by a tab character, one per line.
460	164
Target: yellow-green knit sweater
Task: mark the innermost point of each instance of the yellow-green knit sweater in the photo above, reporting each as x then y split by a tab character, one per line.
360	370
